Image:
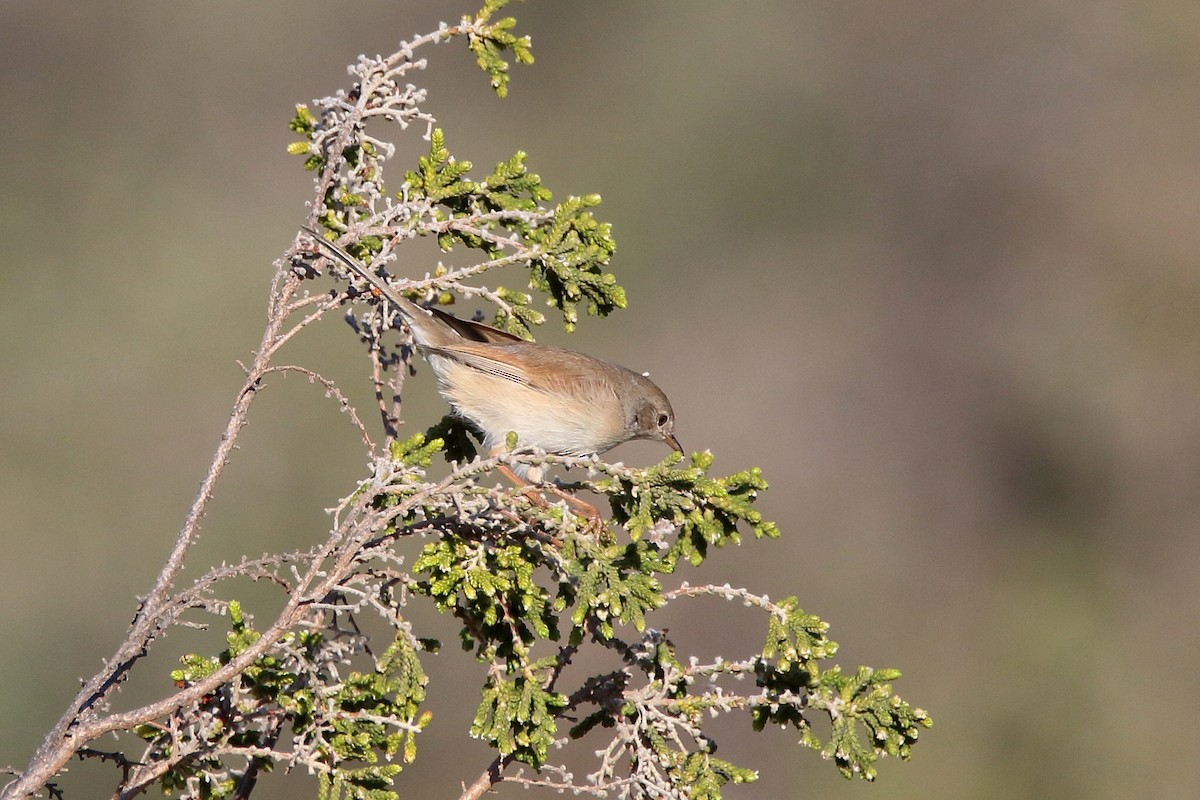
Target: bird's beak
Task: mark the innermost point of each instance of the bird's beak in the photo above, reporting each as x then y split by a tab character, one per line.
674	443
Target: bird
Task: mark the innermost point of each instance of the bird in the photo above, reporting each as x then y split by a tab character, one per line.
556	400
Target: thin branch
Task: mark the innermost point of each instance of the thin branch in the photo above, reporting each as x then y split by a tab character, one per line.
63	739
331	390
489	778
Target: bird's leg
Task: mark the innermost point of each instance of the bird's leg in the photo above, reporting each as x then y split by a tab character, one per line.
580	507
527	488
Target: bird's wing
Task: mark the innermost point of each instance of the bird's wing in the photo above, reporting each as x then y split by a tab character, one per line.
485	357
474	331
542	367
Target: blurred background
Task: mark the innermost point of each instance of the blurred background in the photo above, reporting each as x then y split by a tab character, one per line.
932	265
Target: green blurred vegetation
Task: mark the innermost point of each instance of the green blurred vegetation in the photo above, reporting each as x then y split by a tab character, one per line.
931	265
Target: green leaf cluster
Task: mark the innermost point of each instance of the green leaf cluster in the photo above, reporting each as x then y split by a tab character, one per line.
519	717
350	727
488	579
305	124
357	784
697	772
490	586
566	248
410	458
789	672
417	451
455	434
572	252
790	668
489	40
519	317
395	690
701	511
240	636
441	177
705	775
607	584
864	703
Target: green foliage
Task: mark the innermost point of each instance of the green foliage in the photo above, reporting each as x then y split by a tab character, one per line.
440	176
519	717
865	700
415	451
409	459
704	775
705	510
489	41
607	585
789	669
572	251
363	716
455	432
797	641
567	249
306	124
487	575
369	783
395	689
490	586
516	316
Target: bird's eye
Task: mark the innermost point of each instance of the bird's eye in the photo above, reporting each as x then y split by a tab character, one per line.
663	419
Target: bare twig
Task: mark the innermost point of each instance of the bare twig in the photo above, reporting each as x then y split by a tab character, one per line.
331	390
489	778
71	730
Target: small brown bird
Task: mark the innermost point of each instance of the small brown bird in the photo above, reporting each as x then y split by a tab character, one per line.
557	400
